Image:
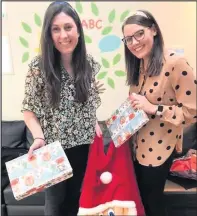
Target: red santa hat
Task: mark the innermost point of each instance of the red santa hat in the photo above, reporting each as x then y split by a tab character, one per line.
109	181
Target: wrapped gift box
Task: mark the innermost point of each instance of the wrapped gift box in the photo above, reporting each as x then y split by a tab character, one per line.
185	166
125	122
49	165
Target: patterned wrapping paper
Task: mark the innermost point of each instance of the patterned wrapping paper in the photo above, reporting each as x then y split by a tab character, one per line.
48	166
185	166
125	122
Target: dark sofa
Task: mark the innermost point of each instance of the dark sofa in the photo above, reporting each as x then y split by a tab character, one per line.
16	135
180	202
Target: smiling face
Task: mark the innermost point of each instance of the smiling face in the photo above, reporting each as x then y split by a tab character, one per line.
139	39
64	33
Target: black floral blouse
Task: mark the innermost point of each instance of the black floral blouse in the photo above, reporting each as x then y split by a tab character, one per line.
72	123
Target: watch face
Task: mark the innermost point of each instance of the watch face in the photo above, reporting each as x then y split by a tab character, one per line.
160	108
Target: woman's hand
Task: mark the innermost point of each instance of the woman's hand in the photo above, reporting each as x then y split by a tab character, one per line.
98	130
38	143
99	87
140	102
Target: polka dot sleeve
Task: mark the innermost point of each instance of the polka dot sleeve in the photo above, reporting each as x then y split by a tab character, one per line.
183	82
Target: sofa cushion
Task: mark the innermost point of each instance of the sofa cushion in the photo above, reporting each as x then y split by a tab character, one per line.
3	210
8	154
190	138
35	199
4	184
29	138
179	201
13	134
106	135
30	210
181	211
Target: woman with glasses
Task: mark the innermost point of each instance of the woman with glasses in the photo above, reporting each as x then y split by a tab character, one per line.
61	100
164	86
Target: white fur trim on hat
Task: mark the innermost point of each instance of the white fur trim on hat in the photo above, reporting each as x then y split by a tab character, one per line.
115	203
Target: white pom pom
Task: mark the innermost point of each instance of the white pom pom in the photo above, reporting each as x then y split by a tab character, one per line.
106	177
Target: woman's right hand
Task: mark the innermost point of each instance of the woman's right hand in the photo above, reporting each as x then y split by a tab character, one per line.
38	143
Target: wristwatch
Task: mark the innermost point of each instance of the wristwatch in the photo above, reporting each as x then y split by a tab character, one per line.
159	110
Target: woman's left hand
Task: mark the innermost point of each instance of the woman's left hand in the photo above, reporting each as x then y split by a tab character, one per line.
140	102
98	130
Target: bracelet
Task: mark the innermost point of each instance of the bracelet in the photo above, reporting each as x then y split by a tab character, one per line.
159	110
39	138
156	110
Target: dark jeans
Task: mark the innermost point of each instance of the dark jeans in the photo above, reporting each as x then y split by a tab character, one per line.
151	182
63	199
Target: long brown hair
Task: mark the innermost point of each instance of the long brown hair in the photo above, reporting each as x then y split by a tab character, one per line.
50	57
157	53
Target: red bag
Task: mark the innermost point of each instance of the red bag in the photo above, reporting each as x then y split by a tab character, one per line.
119	194
186	166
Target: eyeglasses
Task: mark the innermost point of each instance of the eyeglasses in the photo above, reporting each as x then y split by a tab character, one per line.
139	35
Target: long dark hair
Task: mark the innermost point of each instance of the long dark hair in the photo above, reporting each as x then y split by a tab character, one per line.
50	57
156	55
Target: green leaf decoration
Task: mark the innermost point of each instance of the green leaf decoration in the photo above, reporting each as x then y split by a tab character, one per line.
112	16
105	63
37	20
26	27
25	57
110	82
95	10
106	30
101	75
116	59
79	7
24	42
120	73
88	39
124	15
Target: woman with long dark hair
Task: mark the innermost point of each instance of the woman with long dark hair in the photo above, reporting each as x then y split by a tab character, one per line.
61	99
164	86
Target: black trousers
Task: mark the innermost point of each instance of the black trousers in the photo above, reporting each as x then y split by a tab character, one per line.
151	182
63	199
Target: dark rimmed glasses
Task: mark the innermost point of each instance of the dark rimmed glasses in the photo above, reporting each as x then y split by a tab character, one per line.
139	35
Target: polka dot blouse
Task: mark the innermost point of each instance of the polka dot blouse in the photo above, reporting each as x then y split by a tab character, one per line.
175	90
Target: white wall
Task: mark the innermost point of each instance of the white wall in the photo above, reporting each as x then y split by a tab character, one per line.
176	19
